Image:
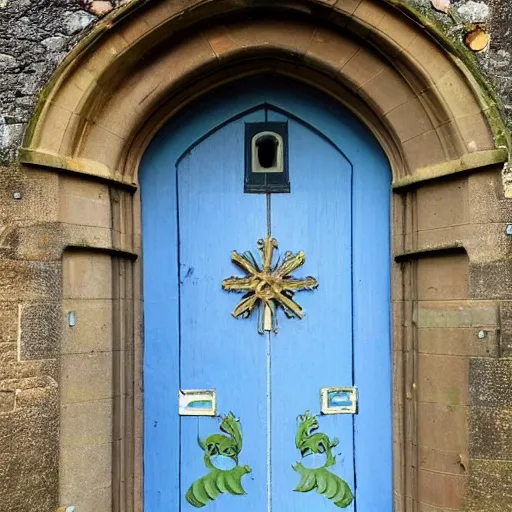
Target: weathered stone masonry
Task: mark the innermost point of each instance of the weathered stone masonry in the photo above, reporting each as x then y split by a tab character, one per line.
34	38
70	398
36	35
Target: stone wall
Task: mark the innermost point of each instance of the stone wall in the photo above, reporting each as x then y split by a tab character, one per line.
34	38
463	310
61	381
495	62
463	370
30	330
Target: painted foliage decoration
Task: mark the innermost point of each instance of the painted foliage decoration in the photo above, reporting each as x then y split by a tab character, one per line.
268	287
309	442
221	458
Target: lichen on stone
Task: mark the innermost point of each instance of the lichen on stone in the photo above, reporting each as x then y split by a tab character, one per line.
474	12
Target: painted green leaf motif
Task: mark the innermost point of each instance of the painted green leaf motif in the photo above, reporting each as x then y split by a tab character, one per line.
309	441
220	481
326	483
216	482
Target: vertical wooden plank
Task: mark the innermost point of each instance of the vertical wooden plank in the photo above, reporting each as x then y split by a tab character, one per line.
371	230
161	349
315	352
372	329
216	351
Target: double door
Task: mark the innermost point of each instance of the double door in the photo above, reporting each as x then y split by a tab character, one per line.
287	407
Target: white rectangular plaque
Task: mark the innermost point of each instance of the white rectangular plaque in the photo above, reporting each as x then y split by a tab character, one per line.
197	402
339	400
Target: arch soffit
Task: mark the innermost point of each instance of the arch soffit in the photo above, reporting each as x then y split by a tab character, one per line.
145	62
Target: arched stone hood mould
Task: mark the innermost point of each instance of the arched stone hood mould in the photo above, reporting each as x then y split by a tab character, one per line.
144	62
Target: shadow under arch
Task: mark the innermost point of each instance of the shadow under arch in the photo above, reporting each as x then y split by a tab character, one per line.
255	87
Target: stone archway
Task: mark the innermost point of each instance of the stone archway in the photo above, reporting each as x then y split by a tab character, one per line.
111	85
142	65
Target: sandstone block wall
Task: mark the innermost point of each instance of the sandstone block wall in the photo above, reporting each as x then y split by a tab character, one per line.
62	428
62	377
457	260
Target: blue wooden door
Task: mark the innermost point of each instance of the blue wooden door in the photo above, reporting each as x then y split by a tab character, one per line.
269	447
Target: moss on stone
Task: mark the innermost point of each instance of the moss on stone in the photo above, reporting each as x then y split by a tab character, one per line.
433	23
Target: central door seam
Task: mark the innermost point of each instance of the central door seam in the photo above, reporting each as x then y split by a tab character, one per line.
269	377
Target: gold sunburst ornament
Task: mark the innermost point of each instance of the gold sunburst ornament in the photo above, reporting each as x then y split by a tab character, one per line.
268	287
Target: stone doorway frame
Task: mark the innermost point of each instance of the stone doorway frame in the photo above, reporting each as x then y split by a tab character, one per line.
145	62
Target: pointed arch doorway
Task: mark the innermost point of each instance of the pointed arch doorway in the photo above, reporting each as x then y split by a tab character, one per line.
195	212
